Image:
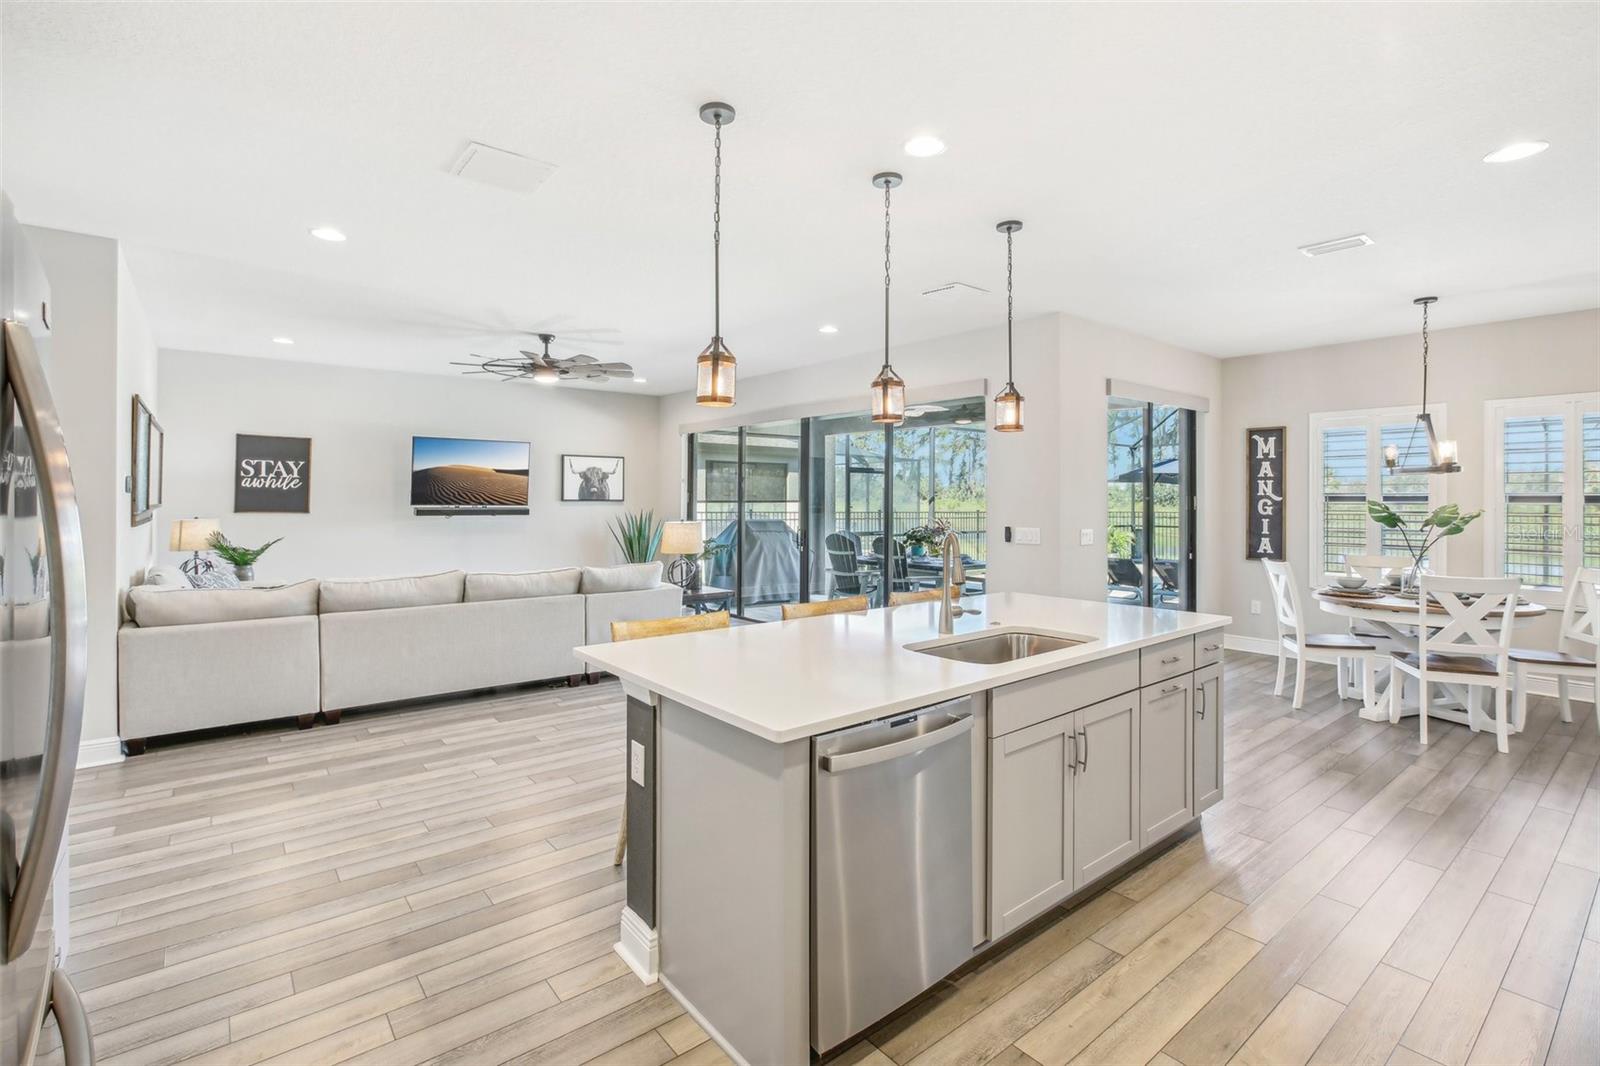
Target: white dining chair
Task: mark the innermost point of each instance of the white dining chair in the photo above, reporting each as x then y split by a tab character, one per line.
1372	567
1330	648
1580	631
1457	645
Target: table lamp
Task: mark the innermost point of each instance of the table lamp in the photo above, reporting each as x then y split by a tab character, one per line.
685	540
194	535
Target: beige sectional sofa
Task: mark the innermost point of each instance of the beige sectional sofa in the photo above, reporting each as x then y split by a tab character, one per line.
194	659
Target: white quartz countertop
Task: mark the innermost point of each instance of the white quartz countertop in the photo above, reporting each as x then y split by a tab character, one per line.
785	681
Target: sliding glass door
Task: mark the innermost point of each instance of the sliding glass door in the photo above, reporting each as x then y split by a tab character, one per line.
836	505
1150	487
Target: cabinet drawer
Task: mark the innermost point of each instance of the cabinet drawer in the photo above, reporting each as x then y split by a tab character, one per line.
1025	703
1166	660
1208	648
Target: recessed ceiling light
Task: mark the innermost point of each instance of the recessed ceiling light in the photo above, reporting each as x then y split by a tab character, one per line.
328	233
283	340
827	329
638	381
924	145
1513	152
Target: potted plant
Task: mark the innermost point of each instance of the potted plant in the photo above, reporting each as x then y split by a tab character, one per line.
638	535
1444	522
919	540
242	559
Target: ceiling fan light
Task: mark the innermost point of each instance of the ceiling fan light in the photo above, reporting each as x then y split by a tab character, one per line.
888	397
1008	410
715	373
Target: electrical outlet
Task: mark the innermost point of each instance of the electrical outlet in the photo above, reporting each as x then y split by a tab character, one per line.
1255	606
1085	537
636	762
1026	534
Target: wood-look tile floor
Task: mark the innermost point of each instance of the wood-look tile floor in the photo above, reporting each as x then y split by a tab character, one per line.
435	885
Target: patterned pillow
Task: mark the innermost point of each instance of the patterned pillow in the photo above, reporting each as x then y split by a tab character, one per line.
219	576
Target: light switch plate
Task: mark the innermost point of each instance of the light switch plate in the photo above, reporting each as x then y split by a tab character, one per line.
1255	606
1026	535
1085	537
636	762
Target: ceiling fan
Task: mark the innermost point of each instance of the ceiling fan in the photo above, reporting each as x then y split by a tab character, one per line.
544	368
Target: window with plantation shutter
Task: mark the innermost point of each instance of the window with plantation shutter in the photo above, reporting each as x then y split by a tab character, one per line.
1542	489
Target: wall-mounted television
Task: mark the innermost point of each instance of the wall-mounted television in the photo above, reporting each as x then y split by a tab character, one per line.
451	475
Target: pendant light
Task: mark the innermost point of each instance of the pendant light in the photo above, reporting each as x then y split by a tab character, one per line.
1442	454
715	368
888	388
1008	401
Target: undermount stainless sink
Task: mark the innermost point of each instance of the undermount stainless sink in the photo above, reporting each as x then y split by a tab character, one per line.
1000	647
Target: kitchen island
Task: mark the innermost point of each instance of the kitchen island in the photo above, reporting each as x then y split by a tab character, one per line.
826	816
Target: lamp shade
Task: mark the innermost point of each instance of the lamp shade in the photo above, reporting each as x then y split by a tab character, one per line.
682	538
193	534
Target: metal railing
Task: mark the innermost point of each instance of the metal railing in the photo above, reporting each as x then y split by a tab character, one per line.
971	527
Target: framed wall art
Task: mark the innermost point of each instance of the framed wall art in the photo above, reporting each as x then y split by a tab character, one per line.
272	474
592	478
148	466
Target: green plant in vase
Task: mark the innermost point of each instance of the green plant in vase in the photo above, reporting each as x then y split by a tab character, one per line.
920	540
242	559
638	535
1444	522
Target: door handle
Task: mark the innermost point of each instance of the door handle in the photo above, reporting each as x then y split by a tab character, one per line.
1169	660
1170	689
850	760
1211	647
69	624
77	1040
1083	749
1200	704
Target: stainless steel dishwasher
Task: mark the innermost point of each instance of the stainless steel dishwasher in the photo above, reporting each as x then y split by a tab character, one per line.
891	836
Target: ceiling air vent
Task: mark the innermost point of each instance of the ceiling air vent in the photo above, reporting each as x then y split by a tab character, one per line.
498	167
954	290
1311	251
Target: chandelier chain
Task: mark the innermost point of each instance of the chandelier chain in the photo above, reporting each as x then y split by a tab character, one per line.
1424	358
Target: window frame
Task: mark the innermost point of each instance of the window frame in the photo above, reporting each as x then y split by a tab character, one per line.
1572	407
1372	419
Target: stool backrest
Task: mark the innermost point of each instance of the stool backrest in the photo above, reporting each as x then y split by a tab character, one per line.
1580	616
843	605
662	627
1469	604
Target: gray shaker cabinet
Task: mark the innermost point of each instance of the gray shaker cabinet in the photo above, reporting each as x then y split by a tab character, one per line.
1106	791
1030	821
1207	737
1165	740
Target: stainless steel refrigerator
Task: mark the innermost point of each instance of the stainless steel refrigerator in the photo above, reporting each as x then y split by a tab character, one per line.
43	653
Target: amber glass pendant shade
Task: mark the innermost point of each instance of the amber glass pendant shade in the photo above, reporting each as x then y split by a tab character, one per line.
1008	410
888	397
715	371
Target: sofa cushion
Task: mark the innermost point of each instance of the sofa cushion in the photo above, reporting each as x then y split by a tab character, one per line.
150	606
166	576
384	593
525	586
627	578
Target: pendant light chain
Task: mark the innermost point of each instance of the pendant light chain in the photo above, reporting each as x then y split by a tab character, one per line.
1424	358
886	188
716	237
1009	375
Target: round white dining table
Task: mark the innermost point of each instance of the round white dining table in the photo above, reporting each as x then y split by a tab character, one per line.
1397	618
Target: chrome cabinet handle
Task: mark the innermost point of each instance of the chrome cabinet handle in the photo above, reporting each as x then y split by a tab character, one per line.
1170	689
69	622
1083	749
1211	647
1171	659
77	1041
850	760
1200	704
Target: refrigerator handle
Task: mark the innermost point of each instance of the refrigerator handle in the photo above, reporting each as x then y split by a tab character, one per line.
77	1042
69	625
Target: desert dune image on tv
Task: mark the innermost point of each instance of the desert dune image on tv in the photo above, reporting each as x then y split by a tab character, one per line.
453	472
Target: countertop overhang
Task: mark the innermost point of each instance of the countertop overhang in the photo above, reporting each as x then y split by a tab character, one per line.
786	681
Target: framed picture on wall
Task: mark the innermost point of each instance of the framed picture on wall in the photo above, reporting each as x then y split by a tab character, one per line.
149	456
272	474
592	478
1264	492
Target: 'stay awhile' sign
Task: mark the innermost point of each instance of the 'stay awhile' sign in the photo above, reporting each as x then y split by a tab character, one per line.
272	474
1264	448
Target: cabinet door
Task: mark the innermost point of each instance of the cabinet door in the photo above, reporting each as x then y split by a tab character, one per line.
1165	741
1207	737
1030	821
1105	796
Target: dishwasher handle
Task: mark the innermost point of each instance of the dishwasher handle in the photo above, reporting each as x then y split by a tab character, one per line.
850	760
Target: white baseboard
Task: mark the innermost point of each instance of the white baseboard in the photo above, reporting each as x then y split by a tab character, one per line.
1256	645
694	1012
102	752
639	946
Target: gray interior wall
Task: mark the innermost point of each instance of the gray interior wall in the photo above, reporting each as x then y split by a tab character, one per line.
1544	356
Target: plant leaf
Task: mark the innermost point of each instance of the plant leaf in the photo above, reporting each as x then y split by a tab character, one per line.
1384	515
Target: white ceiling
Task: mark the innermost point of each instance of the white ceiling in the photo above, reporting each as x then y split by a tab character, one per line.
1167	161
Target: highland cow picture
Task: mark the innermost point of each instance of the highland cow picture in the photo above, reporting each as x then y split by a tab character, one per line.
592	478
